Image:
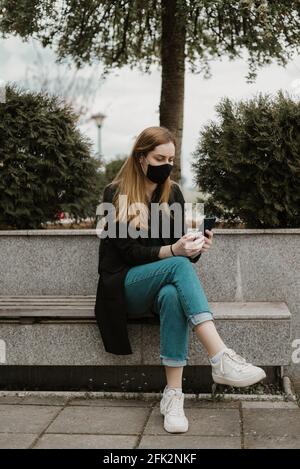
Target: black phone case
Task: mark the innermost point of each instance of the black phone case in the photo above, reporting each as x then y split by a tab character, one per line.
209	223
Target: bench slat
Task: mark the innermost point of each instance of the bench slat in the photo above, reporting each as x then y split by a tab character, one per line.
83	307
47	306
28	299
63	313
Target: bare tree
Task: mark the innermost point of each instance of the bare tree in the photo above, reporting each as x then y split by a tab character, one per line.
76	88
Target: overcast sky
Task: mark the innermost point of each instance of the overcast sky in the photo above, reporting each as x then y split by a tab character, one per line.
130	99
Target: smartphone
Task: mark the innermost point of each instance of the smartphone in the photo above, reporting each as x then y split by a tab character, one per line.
209	223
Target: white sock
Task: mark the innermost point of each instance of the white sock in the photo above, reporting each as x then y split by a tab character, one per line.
217	356
167	388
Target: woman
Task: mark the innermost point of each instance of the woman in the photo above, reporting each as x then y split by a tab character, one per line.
153	275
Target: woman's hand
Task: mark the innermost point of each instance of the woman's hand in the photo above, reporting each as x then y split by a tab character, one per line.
207	243
189	245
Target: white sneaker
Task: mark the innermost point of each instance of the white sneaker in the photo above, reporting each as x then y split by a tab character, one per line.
171	406
233	370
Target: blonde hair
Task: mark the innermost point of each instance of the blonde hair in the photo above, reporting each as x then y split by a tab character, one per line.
130	179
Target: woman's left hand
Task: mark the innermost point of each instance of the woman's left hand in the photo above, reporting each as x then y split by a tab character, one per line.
207	243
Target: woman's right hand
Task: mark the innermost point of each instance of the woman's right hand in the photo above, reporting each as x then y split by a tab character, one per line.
189	244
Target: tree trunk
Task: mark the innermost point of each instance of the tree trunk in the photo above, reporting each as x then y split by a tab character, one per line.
173	71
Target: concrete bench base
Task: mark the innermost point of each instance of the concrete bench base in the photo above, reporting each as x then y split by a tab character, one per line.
51	330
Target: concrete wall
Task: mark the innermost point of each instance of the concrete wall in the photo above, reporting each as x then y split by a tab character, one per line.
242	265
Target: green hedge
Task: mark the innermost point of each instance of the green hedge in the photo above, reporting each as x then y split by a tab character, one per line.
247	162
45	163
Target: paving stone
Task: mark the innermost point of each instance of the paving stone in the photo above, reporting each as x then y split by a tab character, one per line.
25	419
279	442
105	402
269	405
47	400
86	441
206	422
211	404
16	440
184	441
116	423
11	399
271	422
95	420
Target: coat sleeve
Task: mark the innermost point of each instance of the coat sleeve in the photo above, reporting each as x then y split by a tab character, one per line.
130	249
179	198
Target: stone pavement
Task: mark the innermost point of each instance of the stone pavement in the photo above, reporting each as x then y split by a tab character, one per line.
35	421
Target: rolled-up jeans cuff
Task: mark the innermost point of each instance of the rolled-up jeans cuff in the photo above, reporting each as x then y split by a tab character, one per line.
171	362
198	318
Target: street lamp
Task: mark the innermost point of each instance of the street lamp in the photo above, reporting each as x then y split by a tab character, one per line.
99	118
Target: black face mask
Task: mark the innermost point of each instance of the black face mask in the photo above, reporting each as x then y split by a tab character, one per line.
159	173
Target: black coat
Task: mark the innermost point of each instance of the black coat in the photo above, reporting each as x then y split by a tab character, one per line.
116	257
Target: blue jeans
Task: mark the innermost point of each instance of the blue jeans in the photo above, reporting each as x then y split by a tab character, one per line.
171	288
